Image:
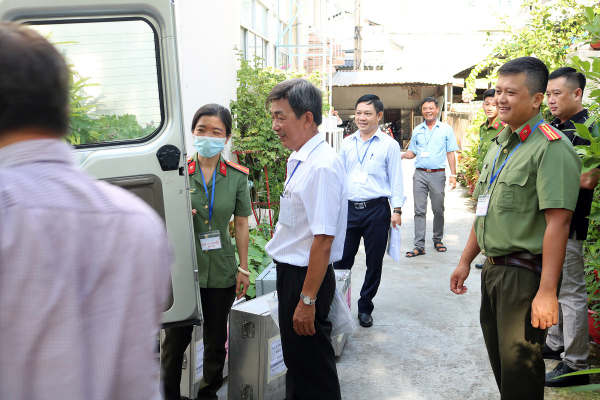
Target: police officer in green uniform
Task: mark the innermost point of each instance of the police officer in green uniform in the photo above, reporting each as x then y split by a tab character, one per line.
526	194
490	128
218	190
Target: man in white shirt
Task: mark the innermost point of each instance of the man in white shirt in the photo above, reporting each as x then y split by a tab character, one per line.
84	265
308	238
374	179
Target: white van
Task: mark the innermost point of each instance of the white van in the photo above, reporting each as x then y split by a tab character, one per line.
126	111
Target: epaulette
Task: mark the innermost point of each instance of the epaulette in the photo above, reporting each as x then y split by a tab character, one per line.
239	167
550	132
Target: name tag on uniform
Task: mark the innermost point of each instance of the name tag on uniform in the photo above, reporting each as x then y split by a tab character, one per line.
210	240
360	177
482	205
425	154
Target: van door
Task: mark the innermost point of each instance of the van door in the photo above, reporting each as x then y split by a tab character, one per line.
127	125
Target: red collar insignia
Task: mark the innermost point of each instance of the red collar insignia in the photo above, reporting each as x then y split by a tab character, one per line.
496	125
191	167
524	134
223	168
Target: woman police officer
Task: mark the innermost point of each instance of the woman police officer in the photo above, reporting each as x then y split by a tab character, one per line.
218	190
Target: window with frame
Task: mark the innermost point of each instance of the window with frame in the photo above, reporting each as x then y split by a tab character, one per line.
114	71
254	30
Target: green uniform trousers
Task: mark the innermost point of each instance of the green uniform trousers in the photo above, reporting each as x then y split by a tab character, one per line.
216	304
514	346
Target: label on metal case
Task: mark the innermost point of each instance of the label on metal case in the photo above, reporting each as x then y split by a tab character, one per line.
278	367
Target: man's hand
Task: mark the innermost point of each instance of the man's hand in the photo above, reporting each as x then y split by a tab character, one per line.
241	285
458	278
194	211
544	310
304	319
396	219
452	183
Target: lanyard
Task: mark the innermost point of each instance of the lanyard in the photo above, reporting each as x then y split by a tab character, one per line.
212	199
292	175
494	176
366	151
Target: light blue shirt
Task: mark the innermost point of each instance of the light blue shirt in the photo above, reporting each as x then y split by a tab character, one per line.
381	162
437	142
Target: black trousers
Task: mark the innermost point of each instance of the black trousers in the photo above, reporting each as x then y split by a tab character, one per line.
312	374
216	304
372	224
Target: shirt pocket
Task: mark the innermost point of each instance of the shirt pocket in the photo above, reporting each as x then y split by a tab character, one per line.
375	168
512	191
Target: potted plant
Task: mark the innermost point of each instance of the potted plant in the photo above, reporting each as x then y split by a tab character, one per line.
592	27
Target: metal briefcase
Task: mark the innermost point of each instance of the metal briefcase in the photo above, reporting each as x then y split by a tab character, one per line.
256	370
266	282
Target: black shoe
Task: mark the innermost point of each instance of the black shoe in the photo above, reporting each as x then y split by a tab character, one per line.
562	369
365	319
550	354
479	266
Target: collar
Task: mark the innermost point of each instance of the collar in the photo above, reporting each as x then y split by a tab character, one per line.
425	126
377	133
495	125
304	152
34	151
569	124
522	132
193	165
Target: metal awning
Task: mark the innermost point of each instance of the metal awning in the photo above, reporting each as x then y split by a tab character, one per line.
363	78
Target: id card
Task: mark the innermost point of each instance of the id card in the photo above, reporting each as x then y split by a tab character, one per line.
210	240
425	154
482	205
360	177
285	210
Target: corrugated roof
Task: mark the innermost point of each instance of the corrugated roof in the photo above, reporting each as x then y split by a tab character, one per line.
353	78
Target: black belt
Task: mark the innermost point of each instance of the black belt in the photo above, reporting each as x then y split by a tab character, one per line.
527	260
277	264
360	205
432	170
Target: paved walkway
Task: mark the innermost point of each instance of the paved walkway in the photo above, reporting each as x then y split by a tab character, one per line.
426	343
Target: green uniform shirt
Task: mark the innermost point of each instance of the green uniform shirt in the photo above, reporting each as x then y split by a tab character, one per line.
542	173
218	268
487	132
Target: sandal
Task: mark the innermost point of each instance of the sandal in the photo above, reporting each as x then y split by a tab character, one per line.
440	247
419	252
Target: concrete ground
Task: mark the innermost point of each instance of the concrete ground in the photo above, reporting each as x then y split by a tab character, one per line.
426	343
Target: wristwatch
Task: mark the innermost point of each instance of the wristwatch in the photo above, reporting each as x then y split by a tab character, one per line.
307	300
398	212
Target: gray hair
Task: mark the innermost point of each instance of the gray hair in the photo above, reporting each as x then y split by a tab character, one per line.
302	95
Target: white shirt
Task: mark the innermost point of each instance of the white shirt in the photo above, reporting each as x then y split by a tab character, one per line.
314	203
380	158
84	277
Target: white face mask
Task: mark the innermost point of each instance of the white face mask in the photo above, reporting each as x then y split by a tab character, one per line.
208	147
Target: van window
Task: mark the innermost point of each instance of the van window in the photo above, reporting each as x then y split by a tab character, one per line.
115	94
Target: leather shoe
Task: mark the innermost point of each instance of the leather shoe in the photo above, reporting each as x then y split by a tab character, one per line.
562	369
550	354
479	266
365	320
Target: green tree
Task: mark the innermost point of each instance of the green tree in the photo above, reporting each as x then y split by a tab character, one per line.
548	34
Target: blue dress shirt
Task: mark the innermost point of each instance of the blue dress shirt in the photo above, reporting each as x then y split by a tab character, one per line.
437	142
380	158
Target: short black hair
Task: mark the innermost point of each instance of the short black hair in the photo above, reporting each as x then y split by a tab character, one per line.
573	78
34	82
430	100
536	73
489	93
371	98
302	95
214	110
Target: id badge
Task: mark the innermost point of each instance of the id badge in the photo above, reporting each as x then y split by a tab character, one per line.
482	205
425	154
210	240
285	210
360	177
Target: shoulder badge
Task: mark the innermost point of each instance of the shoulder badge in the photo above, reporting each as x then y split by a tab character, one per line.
191	167
239	167
549	132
